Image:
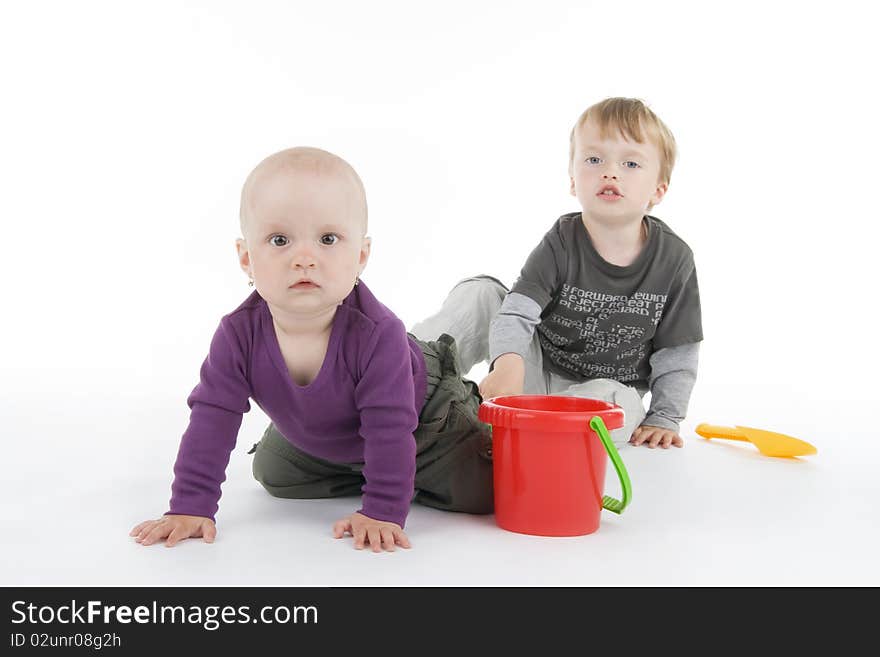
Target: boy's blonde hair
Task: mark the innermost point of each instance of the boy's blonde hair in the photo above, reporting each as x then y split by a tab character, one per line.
635	121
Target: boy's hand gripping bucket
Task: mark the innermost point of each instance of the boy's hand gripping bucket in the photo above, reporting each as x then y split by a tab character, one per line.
549	457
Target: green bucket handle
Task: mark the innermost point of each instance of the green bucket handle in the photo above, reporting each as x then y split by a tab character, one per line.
608	502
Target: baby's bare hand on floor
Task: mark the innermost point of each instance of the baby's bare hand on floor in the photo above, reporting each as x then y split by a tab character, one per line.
654	436
377	533
174	528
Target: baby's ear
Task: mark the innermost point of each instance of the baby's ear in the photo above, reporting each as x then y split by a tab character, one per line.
365	251
572	191
244	256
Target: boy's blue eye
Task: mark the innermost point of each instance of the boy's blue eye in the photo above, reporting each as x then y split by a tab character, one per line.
278	240
629	164
593	160
329	239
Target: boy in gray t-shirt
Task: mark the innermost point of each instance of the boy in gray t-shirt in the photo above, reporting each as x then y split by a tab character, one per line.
607	305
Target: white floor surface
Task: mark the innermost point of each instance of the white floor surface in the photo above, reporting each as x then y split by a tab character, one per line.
78	476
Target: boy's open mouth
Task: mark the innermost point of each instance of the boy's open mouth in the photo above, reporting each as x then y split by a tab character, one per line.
609	192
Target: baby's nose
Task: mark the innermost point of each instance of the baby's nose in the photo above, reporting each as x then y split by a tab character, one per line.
303	259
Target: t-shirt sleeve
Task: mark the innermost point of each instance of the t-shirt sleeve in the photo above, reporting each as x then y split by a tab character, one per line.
681	321
543	272
385	395
512	328
217	404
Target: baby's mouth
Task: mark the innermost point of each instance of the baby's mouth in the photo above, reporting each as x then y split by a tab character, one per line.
304	285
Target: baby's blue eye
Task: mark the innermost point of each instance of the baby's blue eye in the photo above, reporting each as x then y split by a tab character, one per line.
329	239
593	160
278	240
629	164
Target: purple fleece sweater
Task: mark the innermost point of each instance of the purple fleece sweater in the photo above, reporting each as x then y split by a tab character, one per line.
362	407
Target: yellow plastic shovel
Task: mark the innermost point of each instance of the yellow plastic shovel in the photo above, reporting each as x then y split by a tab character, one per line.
767	442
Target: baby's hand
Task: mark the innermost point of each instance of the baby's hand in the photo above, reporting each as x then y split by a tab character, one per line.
175	528
655	436
377	533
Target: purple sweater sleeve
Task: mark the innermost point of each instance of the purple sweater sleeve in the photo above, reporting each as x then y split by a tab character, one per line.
384	396
217	404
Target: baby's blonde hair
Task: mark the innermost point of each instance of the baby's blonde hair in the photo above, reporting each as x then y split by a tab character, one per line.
635	121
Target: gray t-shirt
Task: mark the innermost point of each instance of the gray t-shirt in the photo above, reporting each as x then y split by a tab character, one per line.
601	320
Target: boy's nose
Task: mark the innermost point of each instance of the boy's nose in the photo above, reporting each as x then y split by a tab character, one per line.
609	176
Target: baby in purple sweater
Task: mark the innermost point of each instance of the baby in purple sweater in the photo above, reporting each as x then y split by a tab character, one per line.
358	405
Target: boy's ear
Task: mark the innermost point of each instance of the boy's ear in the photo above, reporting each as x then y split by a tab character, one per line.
659	193
573	193
244	256
365	252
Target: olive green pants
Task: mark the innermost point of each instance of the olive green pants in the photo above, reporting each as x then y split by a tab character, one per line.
453	448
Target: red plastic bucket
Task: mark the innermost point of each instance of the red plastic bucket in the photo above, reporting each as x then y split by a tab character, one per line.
550	455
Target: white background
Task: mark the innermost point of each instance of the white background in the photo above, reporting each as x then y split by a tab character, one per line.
128	128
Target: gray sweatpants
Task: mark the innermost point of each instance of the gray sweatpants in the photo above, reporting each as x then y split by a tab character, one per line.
466	315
